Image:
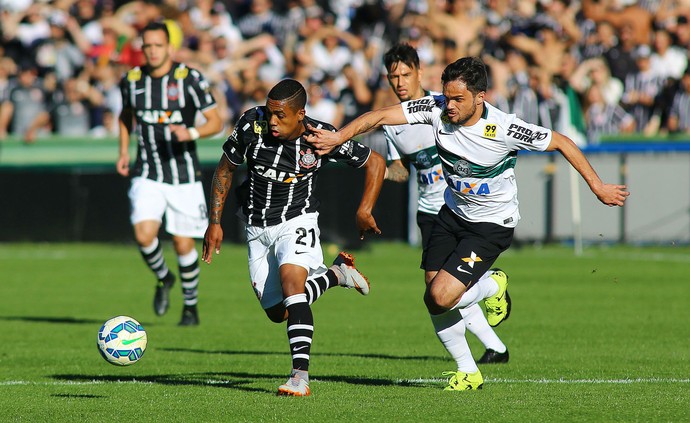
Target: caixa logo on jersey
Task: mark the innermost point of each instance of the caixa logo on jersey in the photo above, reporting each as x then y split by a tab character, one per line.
160	116
521	133
421	105
281	176
468	187
430	176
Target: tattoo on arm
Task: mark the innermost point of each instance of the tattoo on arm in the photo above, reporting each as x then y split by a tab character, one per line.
222	181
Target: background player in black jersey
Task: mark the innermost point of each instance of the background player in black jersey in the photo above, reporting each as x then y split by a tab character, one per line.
285	257
164	98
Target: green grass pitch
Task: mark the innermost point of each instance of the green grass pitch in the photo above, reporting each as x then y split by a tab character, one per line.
604	337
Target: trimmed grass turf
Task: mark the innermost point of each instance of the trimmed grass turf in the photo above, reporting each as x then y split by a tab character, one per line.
603	337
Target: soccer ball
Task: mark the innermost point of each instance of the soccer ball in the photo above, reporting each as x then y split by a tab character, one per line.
122	341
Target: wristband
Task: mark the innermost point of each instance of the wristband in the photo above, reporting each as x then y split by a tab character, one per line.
193	133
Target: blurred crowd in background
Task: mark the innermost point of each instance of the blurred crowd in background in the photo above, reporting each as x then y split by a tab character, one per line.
589	69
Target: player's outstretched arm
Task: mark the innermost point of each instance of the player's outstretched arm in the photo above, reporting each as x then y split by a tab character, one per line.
325	141
375	169
609	194
222	181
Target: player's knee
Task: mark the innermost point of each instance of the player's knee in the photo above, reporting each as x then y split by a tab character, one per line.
144	238
433	301
145	233
183	245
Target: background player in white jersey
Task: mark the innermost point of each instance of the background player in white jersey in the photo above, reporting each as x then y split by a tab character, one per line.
416	145
478	147
281	214
163	98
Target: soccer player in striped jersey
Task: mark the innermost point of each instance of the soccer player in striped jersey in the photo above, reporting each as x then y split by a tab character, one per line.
679	115
478	146
278	206
415	144
163	98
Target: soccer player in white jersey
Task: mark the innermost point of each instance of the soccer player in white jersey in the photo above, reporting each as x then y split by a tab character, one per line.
416	145
281	214
163	98
478	147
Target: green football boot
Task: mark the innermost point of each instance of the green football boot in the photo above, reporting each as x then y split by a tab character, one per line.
460	381
498	306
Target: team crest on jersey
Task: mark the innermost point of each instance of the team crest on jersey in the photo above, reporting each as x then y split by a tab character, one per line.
462	168
490	130
134	75
181	73
308	159
424	159
173	92
260	127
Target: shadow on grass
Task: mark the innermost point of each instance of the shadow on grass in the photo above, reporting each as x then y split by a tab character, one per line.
47	319
192	379
77	396
320	354
231	380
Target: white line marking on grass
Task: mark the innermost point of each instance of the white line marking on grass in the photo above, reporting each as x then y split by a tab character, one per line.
557	381
397	381
70	383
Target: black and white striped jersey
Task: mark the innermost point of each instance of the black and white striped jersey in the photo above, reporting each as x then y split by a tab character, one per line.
680	109
156	103
643	82
281	174
604	120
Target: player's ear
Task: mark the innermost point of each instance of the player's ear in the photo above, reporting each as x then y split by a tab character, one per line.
479	99
300	114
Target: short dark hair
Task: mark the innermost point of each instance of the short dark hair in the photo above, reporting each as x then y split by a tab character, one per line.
156	26
401	52
471	71
291	91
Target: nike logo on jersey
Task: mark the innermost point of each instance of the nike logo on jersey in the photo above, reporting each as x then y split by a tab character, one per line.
139	91
301	252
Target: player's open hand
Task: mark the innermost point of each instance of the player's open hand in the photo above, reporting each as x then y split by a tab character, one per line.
212	240
366	224
612	195
324	140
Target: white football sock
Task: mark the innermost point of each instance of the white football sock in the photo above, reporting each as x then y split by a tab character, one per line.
450	330
476	322
485	288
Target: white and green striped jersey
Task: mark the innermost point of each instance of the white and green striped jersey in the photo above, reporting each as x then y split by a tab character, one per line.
417	145
478	161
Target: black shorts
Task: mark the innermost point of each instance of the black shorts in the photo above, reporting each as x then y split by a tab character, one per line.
426	222
464	249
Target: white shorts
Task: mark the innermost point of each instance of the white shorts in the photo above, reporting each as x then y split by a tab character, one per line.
184	206
293	242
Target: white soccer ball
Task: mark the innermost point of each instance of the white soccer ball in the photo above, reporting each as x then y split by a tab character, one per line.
122	341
